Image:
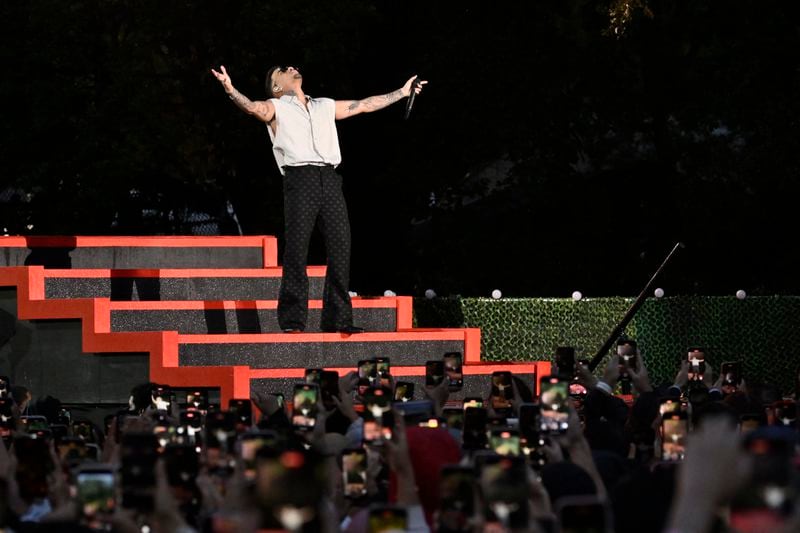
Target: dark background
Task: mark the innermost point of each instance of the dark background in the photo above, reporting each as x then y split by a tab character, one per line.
559	145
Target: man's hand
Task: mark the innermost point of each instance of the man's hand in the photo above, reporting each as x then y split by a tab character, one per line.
640	378
223	78
406	89
611	374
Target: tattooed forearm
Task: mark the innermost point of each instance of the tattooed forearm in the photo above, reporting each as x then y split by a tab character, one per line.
242	102
373	103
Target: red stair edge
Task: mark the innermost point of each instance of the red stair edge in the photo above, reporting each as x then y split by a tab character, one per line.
268	243
162	346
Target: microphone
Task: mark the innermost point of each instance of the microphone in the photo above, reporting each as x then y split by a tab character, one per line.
410	103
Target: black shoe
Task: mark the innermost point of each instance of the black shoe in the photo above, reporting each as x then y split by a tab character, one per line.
347	330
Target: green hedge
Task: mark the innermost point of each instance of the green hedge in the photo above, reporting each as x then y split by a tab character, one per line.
762	332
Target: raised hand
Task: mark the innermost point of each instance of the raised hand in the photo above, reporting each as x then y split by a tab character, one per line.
406	89
223	78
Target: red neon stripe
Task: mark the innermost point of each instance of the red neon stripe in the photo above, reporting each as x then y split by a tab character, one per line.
167	241
271	272
469	370
270	338
379	303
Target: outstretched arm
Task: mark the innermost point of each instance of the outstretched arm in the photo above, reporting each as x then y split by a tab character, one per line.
262	110
349	108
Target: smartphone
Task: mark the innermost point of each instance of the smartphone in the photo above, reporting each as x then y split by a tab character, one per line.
250	443
453	417
5	385
749	422
565	361
378	416
197	400
403	391
96	494
138	455
72	451
456	498
474	435
626	350
674	430
304	406
504	441
668	405
220	438
434	373
243	410
472	401
415	411
583	514
368	369
182	464
553	407
697	363
383	369
313	375
504	485
770	493
329	387
528	422
34	465
502	392
85	430
31	423
354	472
161	398
387	519
7	424
782	413
731	374
453	369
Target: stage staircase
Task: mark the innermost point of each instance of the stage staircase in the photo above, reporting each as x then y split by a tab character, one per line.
192	312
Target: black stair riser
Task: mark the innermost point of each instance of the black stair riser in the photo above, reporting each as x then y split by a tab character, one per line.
135	257
315	354
165	289
218	321
474	385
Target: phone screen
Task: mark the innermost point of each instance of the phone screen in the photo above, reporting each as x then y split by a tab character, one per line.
182	464
502	391
354	472
160	398
674	430
197	400
386	519
553	407
383	369
6	418
304	412
504	486
472	402
565	361
313	375
138	452
378	419
243	410
697	363
368	369
329	387
403	391
668	405
249	444
456	498
731	374
434	373
453	417
504	441
96	497
474	436
33	465
453	369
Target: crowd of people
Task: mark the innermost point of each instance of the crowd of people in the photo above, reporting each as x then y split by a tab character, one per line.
570	452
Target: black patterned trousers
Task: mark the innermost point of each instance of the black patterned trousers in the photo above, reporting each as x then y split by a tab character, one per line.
313	195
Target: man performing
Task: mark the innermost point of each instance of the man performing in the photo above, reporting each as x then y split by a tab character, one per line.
306	148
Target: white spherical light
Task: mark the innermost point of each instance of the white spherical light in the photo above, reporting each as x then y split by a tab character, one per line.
496	294
659	292
389	293
430	294
577	295
741	294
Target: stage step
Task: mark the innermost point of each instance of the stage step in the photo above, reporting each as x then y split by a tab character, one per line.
477	378
233	317
173	284
316	350
140	252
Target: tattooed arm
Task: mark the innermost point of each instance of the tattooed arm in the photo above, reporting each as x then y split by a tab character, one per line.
262	110
349	108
